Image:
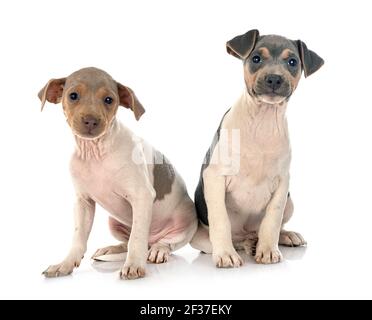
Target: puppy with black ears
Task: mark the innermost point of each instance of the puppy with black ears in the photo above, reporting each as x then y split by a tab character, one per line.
244	202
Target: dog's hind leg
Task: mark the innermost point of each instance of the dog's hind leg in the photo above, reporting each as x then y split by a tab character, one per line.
290	238
115	249
180	234
201	241
121	233
159	253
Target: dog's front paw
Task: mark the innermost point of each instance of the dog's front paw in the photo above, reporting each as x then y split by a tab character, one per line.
227	259
60	270
268	255
132	271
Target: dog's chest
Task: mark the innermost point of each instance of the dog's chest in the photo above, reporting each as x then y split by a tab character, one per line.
262	164
101	182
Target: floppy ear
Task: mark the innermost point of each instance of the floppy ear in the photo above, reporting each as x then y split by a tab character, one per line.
241	46
310	61
52	91
129	100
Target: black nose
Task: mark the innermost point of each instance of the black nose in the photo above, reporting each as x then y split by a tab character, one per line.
273	81
90	122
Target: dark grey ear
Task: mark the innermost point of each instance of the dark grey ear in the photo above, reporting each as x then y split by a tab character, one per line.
310	61
241	46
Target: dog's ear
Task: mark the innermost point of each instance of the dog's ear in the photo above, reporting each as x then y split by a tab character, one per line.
129	100
52	91
241	46
310	61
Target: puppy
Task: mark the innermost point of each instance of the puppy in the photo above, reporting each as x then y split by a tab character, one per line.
242	198
150	211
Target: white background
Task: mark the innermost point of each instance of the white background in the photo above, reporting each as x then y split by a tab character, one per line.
172	54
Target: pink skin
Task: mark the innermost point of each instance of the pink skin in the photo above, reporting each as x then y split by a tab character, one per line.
172	220
167	232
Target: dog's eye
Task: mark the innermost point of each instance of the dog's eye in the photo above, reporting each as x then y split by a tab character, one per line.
256	59
108	100
292	62
74	96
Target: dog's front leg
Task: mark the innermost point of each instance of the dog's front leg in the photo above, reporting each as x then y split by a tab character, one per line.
84	216
142	203
268	236
224	254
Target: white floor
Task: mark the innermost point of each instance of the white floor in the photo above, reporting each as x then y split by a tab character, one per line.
186	81
305	273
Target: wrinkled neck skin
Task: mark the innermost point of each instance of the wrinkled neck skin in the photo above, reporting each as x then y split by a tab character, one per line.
262	119
88	149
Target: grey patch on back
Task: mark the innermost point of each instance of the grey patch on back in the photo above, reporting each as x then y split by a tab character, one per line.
164	176
200	204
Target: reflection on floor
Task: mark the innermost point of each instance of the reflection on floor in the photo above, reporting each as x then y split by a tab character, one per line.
178	263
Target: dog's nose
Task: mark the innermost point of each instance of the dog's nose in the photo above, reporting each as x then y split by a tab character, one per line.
273	81
90	122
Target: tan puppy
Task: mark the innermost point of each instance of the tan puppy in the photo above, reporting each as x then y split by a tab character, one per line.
150	210
243	189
